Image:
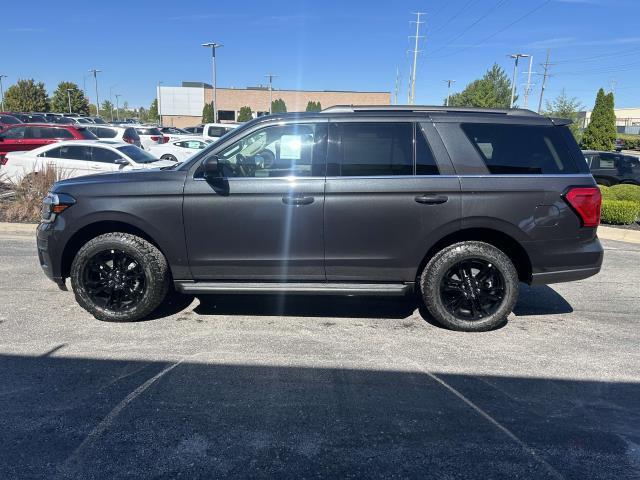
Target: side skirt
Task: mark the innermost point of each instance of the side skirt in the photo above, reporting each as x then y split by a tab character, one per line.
294	288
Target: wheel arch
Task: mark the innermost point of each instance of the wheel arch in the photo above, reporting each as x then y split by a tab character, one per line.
94	229
510	246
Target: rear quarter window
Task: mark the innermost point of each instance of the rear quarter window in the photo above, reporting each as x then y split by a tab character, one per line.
521	149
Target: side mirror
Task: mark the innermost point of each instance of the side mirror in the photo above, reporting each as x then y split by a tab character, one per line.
121	161
211	167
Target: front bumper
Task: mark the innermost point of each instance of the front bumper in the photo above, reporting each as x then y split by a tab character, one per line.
48	256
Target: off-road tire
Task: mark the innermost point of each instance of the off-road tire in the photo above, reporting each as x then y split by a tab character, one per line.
153	262
441	262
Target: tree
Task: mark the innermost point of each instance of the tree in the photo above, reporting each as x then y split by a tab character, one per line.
143	114
26	96
60	99
278	106
207	113
313	106
600	134
493	90
152	115
564	107
107	110
245	114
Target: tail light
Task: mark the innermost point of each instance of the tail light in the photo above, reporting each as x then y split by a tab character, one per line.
156	139
165	139
3	159
586	202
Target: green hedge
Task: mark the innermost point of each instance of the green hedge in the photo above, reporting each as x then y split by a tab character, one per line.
619	212
627	192
630	142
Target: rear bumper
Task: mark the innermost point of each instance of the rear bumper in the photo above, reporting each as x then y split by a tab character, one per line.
565	261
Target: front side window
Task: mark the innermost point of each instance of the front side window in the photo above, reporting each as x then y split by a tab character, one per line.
277	151
104	155
521	149
53	153
374	149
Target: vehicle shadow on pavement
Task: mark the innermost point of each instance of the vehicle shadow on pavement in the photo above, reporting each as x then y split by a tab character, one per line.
538	300
105	419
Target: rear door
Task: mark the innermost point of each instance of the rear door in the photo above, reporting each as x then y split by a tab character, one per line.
387	199
12	140
263	219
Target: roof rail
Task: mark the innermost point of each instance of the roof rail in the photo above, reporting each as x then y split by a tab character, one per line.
427	108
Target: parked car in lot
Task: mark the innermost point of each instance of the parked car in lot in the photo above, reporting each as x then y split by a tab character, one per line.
456	205
174	133
118	134
77	158
179	150
610	168
7	120
196	130
619	145
29	136
215	130
97	120
150	136
30	118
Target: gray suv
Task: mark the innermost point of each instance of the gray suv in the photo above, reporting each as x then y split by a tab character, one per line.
455	205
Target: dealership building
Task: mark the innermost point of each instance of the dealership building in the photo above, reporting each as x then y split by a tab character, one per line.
182	106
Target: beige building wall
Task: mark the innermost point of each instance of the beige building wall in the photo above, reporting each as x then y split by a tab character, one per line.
295	100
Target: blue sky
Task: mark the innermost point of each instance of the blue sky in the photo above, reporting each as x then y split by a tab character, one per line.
329	44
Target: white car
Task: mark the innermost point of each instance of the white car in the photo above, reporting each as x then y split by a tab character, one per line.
174	133
76	158
179	150
150	136
116	134
215	130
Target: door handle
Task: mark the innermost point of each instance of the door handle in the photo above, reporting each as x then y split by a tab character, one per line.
431	199
297	200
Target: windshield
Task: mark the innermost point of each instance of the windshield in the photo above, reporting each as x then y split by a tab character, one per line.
137	154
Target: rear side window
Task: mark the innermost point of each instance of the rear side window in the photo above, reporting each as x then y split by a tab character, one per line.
607	161
103	132
425	161
104	155
521	149
216	131
86	134
375	149
75	152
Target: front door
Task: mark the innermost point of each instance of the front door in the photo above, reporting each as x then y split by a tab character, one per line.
387	200
262	220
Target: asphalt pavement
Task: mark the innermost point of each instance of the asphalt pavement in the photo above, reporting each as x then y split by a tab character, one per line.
320	387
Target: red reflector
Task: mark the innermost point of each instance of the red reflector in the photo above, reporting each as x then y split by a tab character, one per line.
3	160
586	202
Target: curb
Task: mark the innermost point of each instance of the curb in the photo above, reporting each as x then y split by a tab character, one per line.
607	233
619	234
18	228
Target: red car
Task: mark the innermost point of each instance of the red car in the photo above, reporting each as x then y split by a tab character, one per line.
7	119
27	136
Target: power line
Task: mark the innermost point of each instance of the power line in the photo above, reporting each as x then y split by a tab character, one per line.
454	16
471	25
498	32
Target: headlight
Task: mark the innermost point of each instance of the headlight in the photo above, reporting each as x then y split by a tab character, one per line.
54	204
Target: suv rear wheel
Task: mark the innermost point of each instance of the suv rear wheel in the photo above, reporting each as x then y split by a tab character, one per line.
470	286
119	277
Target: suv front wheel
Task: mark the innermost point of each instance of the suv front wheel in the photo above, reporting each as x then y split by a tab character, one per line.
119	277
470	286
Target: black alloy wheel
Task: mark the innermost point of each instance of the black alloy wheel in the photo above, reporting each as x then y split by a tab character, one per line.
472	289
114	280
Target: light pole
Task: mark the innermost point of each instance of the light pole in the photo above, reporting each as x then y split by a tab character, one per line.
270	76
214	103
449	83
95	79
517	57
69	90
2	91
111	98
118	106
160	103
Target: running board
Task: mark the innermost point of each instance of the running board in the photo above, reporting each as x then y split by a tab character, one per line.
309	288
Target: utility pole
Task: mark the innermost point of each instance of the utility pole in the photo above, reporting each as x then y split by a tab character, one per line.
527	88
95	79
449	83
111	99
416	37
545	76
214	103
270	76
397	87
160	103
514	80
69	90
118	106
613	83
2	91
